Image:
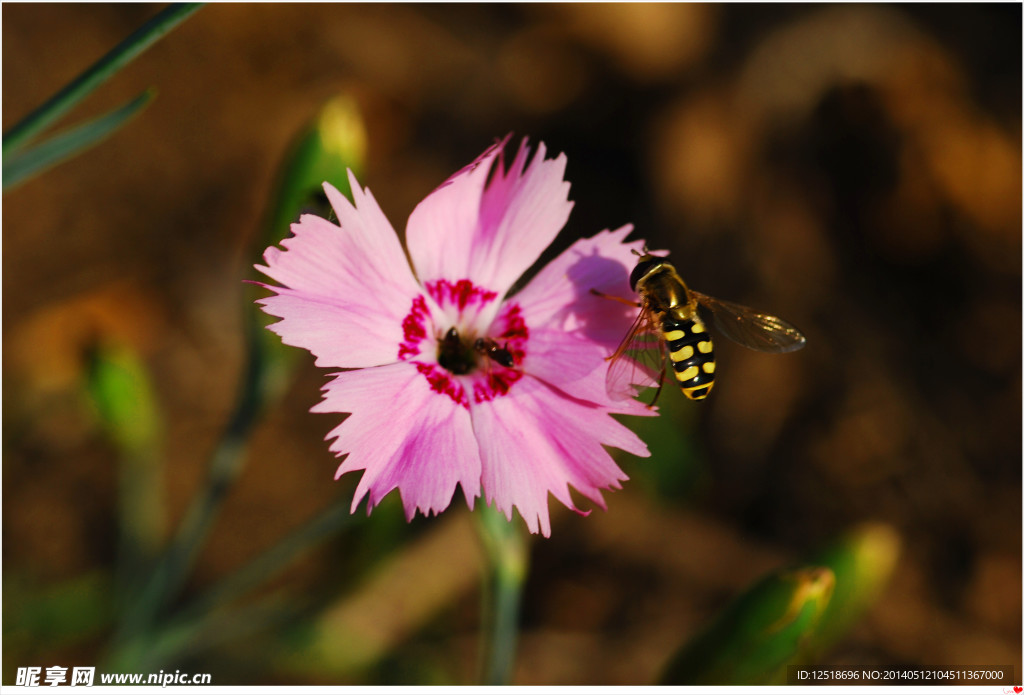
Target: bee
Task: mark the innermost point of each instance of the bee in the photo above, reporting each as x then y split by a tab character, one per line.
489	347
456	358
669	331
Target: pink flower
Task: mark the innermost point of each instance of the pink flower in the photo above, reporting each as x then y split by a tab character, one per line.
454	382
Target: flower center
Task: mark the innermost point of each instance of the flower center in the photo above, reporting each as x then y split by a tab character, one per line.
460	356
488	365
455	355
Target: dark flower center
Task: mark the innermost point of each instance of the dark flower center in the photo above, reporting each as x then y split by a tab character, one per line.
461	357
495	363
453	354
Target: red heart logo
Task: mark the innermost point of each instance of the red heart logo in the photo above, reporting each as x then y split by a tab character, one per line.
1017	688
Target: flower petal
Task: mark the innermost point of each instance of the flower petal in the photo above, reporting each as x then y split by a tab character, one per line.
572	331
536	440
352	281
559	296
489	225
576	365
404	435
339	333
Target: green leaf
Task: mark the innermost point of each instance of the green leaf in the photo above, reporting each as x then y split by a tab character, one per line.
26	163
126	51
755	638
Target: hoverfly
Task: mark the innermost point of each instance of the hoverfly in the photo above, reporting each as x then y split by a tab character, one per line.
669	331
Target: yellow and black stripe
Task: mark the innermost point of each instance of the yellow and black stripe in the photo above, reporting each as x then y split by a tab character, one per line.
692	355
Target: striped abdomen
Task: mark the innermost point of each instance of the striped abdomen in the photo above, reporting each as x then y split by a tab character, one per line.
692	355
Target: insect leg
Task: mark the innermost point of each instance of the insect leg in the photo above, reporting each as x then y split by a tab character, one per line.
661	382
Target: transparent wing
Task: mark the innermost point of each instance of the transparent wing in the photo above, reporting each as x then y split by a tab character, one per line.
751	328
639	360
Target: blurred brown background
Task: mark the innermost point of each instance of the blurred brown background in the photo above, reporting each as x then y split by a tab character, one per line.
855	169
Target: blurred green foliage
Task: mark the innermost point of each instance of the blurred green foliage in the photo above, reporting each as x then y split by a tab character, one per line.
676	466
119	386
55	616
863	561
149	636
21	160
21	165
791	616
334	143
755	637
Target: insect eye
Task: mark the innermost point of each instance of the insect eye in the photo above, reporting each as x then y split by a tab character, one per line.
641	269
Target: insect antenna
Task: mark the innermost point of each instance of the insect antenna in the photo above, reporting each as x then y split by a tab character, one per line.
602	295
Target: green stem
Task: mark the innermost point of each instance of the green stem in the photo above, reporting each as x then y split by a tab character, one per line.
225	465
324	525
197	620
507	551
126	51
140	512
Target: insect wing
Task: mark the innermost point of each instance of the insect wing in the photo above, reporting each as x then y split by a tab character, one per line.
638	361
751	328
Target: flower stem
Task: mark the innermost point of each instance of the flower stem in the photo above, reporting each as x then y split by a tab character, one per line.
225	465
194	622
327	523
506	549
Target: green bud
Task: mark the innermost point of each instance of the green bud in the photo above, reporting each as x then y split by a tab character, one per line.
757	636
